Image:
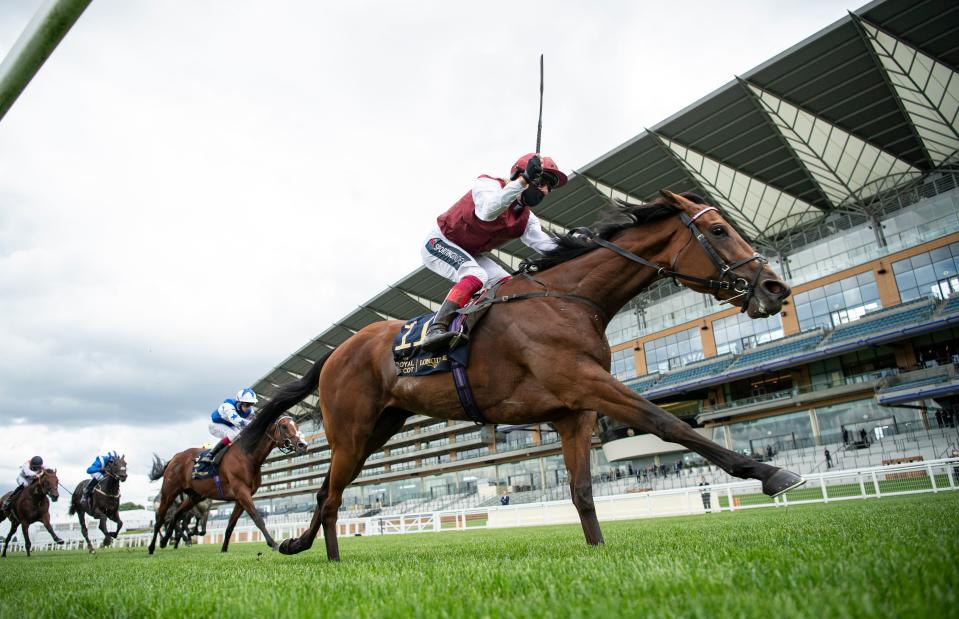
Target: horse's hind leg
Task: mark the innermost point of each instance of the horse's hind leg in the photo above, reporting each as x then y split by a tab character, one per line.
83	529
6	542
346	464
576	432
166	499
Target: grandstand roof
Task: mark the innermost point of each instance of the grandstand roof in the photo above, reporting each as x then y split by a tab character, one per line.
861	106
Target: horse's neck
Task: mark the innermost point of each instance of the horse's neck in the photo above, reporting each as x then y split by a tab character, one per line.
111	485
610	280
263	449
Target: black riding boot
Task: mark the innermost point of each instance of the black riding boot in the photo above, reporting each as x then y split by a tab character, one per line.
438	335
88	491
9	501
210	457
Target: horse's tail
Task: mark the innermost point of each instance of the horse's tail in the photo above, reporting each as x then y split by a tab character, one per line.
159	466
287	396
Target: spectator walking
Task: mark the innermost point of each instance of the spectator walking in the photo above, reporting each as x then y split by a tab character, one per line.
705	493
845	436
828	459
504	500
863	437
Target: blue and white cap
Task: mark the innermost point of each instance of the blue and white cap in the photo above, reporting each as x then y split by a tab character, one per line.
246	395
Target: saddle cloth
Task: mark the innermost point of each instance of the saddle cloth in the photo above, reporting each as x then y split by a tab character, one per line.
203	470
412	360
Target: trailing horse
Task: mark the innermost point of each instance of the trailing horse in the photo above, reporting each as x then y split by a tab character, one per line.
544	357
32	505
104	502
237	479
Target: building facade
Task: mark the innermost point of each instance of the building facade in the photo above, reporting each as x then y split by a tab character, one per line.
838	160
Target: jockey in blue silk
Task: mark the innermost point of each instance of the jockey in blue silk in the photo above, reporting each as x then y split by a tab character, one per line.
228	420
95	470
30	470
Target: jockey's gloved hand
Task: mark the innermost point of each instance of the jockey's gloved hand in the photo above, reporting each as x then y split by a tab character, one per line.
534	168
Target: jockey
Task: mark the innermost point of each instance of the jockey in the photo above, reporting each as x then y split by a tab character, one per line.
30	470
95	471
493	212
231	417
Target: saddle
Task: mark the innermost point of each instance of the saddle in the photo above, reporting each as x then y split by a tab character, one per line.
409	357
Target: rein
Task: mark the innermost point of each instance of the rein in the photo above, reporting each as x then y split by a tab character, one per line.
523	296
728	279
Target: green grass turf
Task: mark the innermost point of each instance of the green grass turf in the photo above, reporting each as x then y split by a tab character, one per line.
892	557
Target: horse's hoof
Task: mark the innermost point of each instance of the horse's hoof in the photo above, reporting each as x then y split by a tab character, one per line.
58	542
780	482
290	546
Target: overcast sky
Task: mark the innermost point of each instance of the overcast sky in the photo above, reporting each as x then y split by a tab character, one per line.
189	191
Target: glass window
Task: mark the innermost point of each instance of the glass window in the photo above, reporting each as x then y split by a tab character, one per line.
623	364
739	332
931	273
838	302
664	354
772	434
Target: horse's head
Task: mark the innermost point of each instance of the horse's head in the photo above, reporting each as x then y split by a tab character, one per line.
716	251
117	467
287	436
49	484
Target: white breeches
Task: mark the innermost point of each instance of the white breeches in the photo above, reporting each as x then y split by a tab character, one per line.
446	258
96	476
219	430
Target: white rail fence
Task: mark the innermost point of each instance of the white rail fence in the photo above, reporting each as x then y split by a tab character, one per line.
932	476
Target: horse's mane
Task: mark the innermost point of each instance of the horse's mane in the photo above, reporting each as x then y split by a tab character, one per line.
613	219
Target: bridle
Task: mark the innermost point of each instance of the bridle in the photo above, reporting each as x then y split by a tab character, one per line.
286	446
728	278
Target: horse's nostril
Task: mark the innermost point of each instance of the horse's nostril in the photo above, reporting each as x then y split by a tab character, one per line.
776	288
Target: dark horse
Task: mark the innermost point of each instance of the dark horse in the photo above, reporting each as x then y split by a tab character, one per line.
181	528
239	479
32	505
104	502
544	358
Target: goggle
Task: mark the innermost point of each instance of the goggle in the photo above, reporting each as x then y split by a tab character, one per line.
548	179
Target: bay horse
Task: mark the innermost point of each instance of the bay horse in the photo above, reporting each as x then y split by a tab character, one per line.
544	356
32	505
239	474
104	501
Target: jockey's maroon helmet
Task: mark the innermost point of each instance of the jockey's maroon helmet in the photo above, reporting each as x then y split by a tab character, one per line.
548	165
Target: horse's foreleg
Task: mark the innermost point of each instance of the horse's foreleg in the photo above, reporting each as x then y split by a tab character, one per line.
576	432
116	518
26	536
46	524
598	390
107	540
244	499
176	522
237	511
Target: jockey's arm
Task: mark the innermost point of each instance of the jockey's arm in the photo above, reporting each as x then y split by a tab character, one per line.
29	473
491	200
535	238
228	412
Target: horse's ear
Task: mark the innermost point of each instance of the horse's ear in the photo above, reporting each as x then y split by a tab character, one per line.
670	197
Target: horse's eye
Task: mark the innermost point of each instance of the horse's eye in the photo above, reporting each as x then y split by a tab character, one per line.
718	231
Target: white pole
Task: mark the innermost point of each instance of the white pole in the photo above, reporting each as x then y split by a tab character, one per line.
49	25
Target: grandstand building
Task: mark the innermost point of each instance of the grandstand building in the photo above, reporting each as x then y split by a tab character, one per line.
838	159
